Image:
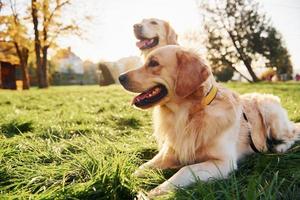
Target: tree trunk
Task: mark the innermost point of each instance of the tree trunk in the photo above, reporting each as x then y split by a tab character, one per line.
23	58
241	74
37	45
0	76
44	49
243	58
26	82
44	67
250	70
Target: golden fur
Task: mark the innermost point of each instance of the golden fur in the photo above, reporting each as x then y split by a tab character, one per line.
205	141
153	27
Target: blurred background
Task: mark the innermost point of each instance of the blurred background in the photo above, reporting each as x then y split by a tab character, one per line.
73	42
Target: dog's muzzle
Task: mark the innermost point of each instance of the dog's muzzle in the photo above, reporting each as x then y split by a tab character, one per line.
137	29
123	79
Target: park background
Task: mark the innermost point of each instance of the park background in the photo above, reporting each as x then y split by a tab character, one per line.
82	35
62	136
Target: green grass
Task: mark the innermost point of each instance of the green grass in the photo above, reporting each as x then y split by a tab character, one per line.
84	142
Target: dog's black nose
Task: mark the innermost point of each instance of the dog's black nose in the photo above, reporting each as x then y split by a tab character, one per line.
123	78
137	26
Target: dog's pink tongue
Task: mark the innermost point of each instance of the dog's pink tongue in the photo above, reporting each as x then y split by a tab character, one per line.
141	44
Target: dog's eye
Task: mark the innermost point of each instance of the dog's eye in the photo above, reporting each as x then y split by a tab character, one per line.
153	22
153	63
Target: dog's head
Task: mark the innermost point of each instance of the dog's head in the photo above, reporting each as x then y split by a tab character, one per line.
153	33
168	74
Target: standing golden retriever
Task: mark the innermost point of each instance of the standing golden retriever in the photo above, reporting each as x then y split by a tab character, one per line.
201	126
153	33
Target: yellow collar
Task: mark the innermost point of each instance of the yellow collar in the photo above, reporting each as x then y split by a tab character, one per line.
210	96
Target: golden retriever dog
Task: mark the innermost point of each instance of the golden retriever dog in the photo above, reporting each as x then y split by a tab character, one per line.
200	126
153	33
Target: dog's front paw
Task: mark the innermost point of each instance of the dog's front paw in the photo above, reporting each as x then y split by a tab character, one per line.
141	196
140	172
158	191
150	195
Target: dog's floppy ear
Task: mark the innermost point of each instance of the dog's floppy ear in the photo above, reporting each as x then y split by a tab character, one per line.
171	36
191	73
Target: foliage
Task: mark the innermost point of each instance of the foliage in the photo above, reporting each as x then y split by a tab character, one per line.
14	34
8	53
277	55
224	74
84	142
240	34
48	24
90	74
1	4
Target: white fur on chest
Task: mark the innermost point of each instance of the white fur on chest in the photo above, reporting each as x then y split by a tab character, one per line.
172	129
213	133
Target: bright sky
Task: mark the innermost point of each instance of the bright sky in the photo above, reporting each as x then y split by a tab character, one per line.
110	35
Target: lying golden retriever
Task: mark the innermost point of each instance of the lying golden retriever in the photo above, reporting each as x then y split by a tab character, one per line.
201	126
153	33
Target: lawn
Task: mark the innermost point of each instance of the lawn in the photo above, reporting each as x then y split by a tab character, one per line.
84	142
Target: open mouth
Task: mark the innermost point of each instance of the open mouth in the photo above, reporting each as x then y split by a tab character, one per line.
146	43
150	96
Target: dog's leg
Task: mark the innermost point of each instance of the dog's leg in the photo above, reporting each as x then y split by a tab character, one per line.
282	130
189	174
289	141
163	160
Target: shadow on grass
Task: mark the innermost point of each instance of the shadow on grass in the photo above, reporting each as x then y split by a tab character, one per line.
5	103
146	154
15	128
296	119
102	190
131	122
113	184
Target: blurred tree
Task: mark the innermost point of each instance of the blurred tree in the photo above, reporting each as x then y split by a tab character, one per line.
15	32
1	5
106	77
48	24
194	39
238	33
90	75
224	74
277	54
